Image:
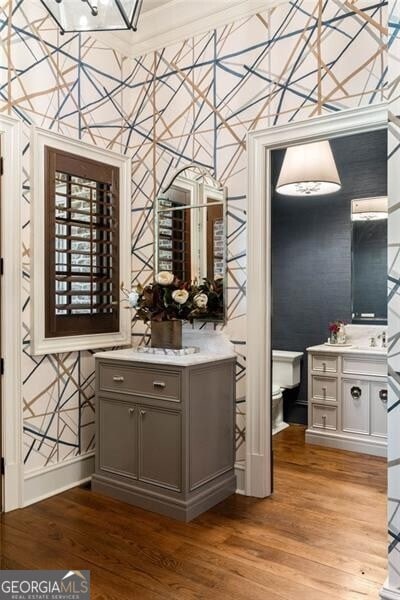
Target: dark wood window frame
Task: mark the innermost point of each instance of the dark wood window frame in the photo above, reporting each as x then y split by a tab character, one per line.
99	311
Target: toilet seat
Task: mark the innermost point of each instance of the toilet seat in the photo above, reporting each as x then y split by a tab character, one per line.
276	390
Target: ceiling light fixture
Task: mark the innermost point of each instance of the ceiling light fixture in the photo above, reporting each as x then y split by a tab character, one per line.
309	170
94	15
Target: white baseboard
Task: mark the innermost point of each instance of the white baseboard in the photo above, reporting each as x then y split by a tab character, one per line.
387	593
49	481
334	440
14	486
240	469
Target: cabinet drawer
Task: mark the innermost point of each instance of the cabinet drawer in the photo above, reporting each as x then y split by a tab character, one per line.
140	381
324	416
324	388
325	363
362	365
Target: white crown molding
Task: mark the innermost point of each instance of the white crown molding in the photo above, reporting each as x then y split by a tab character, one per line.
179	20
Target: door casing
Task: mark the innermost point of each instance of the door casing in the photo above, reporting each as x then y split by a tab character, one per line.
259	366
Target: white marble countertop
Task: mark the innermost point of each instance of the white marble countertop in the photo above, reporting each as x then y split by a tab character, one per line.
336	349
130	355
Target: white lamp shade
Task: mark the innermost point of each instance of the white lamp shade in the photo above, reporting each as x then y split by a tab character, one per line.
369	209
308	170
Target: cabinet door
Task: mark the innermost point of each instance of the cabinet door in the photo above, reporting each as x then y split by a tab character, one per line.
355	406
160	447
118	437
379	408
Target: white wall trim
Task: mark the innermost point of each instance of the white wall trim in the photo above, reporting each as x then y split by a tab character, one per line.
54	479
240	472
388	593
258	295
11	314
351	443
180	20
40	344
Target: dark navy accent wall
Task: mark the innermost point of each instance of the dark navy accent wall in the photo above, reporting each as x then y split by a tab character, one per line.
311	252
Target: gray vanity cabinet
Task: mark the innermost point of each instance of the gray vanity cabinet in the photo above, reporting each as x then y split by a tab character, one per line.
165	433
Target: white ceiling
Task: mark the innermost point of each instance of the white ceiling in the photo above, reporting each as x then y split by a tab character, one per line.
152	4
164	22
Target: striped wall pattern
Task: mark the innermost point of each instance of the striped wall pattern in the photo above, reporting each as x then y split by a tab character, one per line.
193	101
393	94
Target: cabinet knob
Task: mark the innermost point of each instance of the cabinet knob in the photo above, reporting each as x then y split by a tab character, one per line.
355	392
142	413
383	395
118	378
131	410
159	384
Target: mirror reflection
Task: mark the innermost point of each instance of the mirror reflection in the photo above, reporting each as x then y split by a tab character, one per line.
369	259
190	229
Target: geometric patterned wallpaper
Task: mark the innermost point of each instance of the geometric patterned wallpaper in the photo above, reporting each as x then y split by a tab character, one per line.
193	101
393	95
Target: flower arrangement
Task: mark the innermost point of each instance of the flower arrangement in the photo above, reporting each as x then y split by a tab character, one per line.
336	328
168	299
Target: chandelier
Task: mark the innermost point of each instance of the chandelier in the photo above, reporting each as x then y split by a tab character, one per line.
94	15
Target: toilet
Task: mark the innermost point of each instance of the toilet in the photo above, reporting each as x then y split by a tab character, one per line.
285	375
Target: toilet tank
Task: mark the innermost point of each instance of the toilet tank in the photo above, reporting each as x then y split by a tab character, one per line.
286	368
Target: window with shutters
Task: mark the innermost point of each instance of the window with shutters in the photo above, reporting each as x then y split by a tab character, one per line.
81	247
82	263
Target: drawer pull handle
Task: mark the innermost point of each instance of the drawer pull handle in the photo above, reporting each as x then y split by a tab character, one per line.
324	366
324	390
324	421
383	395
355	392
159	384
118	378
131	411
142	413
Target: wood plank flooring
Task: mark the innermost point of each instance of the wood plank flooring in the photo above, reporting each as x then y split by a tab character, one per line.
322	536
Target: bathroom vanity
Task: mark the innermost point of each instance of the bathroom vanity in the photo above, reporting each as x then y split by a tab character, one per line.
165	430
347	399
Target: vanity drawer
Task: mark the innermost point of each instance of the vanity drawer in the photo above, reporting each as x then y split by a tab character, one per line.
364	365
324	416
141	381
324	388
325	363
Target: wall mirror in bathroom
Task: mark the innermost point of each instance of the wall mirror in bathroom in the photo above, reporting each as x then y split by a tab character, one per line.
190	221
369	260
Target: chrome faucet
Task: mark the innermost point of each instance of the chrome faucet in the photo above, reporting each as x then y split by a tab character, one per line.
382	337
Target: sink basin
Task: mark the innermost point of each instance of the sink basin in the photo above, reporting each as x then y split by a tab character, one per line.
372	349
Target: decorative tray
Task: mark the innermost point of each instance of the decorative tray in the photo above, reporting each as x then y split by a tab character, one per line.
167	351
340	345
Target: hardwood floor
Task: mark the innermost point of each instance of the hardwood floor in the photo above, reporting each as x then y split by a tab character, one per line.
322	536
